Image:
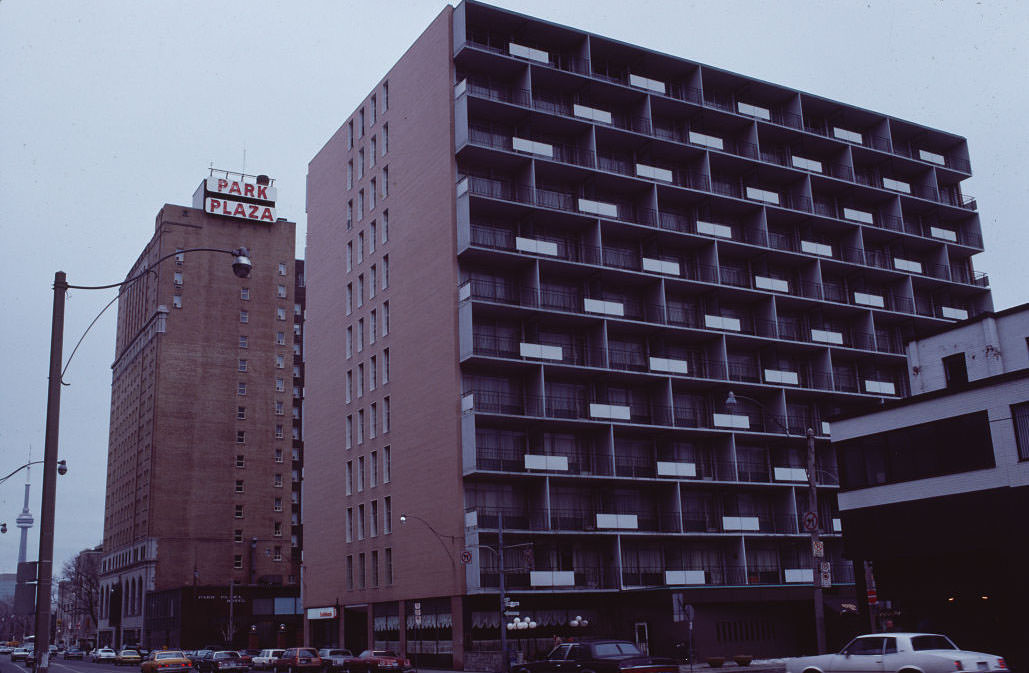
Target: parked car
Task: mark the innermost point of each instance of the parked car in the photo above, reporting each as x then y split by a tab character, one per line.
336	660
297	659
73	653
370	661
265	659
20	653
166	661
891	652
599	656
128	657
197	655
104	655
248	656
221	661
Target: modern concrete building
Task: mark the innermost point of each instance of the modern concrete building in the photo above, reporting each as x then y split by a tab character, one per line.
933	486
540	261
201	527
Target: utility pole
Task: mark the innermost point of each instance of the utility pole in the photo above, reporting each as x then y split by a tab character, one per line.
817	550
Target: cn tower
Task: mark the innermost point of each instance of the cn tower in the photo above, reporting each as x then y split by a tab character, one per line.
24	520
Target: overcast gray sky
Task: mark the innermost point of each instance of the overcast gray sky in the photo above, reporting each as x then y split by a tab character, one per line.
110	109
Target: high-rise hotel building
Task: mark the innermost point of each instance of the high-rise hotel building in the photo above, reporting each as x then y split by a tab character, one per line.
541	260
204	462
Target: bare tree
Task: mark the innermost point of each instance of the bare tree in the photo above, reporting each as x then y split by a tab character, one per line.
83	576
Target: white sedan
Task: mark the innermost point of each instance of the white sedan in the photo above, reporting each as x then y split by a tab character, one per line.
891	652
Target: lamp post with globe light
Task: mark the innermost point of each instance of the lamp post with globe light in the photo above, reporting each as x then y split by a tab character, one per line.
241	266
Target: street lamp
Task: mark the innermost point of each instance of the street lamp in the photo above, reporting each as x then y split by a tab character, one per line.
241	266
810	521
439	536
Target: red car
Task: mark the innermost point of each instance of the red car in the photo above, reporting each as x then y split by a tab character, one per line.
297	659
371	661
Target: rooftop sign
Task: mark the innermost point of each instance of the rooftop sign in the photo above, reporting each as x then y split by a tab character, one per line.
245	197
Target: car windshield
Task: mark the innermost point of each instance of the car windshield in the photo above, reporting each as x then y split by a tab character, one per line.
932	643
605	650
168	655
226	655
306	653
383	653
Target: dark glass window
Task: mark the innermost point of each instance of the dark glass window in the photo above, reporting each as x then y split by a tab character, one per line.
955	370
1020	419
947	446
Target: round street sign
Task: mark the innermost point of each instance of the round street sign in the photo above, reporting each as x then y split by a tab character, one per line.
810	521
466	557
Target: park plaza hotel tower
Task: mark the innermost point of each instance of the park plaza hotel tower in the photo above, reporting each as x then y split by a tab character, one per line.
205	455
541	259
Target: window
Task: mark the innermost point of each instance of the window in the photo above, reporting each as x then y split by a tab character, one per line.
385	181
242	365
371	110
372	276
360	335
241	388
360	290
385	414
280	385
386	467
350	134
280	313
350	385
955	369
350	573
177	279
282	268
360	204
244	293
239	512
350	214
360	166
385	366
350	174
372	151
277	554
280	291
280	338
360	247
387	515
385	226
350	477
373	520
389	566
360	474
279	432
371	195
385	138
244	317
385	272
350	524
278	455
371	237
350	342
296	311
1020	419
241	413
373	469
237	535
350	431
241	436
360	522
237	561
240	461
280	361
277	480
277	505
360	380
239	486
180	256
176	301
373	420
279	408
277	529
360	426
360	571
385	318
372	329
350	256
350	298
360	123
375	565
296	371
371	371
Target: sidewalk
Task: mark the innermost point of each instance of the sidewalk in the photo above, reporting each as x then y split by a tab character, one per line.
756	666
